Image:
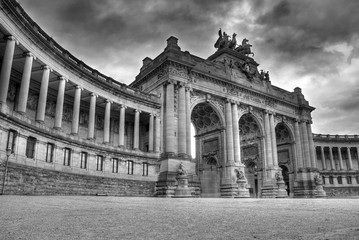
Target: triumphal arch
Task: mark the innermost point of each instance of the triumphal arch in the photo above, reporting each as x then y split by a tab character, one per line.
252	139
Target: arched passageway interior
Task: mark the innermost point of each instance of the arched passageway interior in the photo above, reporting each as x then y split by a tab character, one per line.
251	152
285	149
209	153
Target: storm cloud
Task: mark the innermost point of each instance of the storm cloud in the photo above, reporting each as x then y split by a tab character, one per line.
310	44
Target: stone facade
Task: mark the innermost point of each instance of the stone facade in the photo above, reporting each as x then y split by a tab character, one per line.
66	128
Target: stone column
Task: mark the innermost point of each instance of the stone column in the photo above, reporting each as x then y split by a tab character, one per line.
268	140
298	143
236	142
157	133
121	129
188	120
323	158
306	144
41	105
136	130
311	146
106	128
150	134
340	158
25	83
76	111
6	68
182	120
229	134
60	103
332	164
350	162
274	140
170	126
91	126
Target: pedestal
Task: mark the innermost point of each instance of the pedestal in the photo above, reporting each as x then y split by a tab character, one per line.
243	192
320	193
282	192
182	190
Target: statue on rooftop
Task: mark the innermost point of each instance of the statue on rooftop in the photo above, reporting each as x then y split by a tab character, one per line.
223	40
245	48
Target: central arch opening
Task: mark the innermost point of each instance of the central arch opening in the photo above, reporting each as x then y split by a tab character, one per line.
209	153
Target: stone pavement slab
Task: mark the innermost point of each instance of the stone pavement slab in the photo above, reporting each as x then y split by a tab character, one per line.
90	217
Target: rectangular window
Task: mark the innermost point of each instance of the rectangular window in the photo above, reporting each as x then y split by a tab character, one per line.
30	147
50	152
145	169
99	162
115	165
349	179
11	138
83	163
130	167
340	180
67	156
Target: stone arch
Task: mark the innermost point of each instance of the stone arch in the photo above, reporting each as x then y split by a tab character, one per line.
218	108
289	128
256	118
210	112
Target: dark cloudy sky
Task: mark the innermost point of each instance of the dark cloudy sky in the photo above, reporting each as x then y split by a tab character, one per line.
312	44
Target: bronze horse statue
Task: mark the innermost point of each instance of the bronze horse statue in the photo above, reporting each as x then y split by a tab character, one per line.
245	48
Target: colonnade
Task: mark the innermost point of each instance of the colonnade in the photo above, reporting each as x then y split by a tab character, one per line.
21	105
340	157
180	132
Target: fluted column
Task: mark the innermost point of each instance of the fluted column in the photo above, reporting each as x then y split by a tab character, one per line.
106	128
41	105
311	146
350	159
157	133
274	140
188	120
229	134
298	143
332	164
236	141
121	129
60	103
323	158
6	68
182	120
170	127
91	126
150	134
76	111
136	130
306	144
340	158
268	140
25	83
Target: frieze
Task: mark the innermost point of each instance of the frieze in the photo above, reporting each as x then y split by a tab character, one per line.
178	72
11	93
67	113
32	100
50	108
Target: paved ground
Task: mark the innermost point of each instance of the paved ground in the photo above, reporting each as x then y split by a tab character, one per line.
68	217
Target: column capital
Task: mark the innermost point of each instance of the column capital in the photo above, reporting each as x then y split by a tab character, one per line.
108	101
45	67
170	81
309	122
9	37
62	78
28	54
79	87
123	106
137	110
93	95
188	88
181	84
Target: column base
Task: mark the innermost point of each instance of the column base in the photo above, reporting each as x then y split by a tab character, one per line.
229	190
269	191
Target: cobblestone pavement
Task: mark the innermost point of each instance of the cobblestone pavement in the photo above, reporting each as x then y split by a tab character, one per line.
90	217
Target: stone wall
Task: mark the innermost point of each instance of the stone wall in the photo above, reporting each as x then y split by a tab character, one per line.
341	192
27	180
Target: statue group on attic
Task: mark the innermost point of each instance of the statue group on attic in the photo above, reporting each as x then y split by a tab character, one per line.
225	41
